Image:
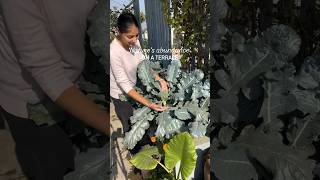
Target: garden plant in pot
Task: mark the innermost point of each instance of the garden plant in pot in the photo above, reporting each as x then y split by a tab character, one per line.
188	109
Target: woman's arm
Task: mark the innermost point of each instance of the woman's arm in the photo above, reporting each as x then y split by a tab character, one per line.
163	83
80	106
138	97
38	55
157	77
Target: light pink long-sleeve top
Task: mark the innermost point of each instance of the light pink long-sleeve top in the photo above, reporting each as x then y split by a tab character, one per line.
41	49
123	68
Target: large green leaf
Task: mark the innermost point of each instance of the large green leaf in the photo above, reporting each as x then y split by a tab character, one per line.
304	132
181	148
186	83
138	129
198	128
206	89
256	155
145	73
278	100
196	92
258	57
144	159
201	117
311	66
309	76
200	90
245	66
225	135
225	109
182	113
275	104
98	31
307	101
283	77
167	125
308	79
201	113
173	71
140	114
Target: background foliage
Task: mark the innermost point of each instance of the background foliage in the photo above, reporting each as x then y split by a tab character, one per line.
189	18
266	91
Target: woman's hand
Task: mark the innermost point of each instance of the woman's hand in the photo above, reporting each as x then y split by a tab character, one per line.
157	107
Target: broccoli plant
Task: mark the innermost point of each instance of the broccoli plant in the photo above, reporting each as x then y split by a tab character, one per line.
266	116
187	101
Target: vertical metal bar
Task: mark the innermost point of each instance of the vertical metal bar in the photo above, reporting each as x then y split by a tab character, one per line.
159	34
136	8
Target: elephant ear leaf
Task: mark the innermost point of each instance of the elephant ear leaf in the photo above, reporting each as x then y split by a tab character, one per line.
181	148
144	159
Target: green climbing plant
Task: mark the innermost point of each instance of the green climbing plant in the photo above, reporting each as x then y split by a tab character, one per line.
189	18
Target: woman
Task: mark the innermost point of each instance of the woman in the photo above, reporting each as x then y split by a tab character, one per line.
41	58
124	59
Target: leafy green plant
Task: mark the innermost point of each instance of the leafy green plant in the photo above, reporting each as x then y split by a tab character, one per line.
272	137
180	148
190	22
164	97
187	101
97	32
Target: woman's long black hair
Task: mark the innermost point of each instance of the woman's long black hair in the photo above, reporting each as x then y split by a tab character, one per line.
125	20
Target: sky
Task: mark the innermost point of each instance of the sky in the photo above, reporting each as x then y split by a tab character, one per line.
119	4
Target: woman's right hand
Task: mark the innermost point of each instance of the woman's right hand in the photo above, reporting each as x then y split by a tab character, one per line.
157	107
